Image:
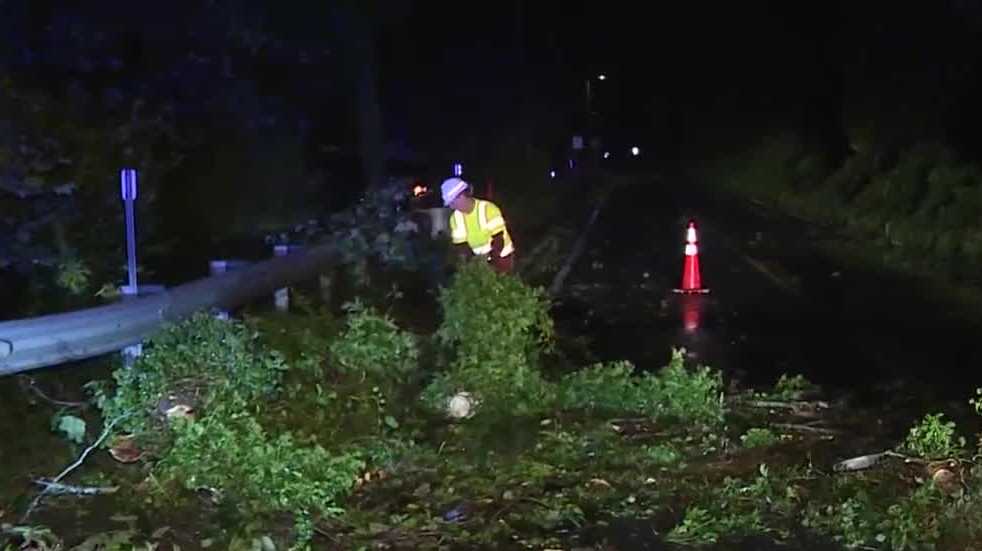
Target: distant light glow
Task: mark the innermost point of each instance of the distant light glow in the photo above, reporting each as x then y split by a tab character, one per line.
419	190
458	169
571	163
606	154
601	76
552	173
635	151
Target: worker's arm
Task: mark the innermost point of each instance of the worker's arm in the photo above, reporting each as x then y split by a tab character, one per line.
496	225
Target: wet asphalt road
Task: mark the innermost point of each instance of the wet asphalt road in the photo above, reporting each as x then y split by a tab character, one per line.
777	304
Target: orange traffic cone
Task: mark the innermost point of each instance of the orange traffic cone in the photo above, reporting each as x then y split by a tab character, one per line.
691	279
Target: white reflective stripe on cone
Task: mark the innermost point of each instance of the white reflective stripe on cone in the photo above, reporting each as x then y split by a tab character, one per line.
691	250
690	235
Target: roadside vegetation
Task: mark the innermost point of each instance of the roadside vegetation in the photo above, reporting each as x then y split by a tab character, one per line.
307	430
912	206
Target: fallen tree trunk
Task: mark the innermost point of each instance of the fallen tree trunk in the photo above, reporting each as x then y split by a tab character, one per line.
56	339
578	248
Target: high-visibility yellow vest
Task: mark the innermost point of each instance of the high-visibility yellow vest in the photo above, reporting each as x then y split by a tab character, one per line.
479	226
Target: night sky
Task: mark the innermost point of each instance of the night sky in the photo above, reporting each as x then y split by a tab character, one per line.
686	72
678	73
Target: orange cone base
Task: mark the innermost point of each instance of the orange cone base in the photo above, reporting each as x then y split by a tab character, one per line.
691	279
691	291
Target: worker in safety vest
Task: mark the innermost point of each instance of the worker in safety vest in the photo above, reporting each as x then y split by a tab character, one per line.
477	226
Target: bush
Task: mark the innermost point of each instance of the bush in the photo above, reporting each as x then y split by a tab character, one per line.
933	439
73	276
604	388
373	345
496	327
689	395
915	521
758	438
219	367
793	387
230	452
676	392
204	360
738	507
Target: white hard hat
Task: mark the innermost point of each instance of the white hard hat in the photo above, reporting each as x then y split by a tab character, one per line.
451	188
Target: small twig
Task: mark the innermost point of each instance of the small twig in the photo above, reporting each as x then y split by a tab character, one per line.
866	461
858	463
804	428
626	420
73	466
59	488
517	501
906	458
326	534
31	385
796	406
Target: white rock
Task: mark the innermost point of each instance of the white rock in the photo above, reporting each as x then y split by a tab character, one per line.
461	405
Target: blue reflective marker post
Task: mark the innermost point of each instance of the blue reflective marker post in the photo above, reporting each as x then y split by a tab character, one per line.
127	185
458	169
127	179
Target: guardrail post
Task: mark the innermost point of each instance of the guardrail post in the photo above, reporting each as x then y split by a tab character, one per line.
219	267
134	351
216	267
281	297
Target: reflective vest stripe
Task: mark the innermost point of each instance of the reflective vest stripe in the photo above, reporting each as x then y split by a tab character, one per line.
495	224
459	234
489	228
482	215
482	218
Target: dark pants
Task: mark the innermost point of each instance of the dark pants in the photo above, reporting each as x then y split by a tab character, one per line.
503	265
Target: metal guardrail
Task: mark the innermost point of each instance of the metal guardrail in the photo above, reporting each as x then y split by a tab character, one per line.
50	340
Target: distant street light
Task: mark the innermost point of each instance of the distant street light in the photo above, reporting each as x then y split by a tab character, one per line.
606	154
601	76
635	151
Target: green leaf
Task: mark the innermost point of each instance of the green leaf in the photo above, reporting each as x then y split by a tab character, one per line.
73	427
391	422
